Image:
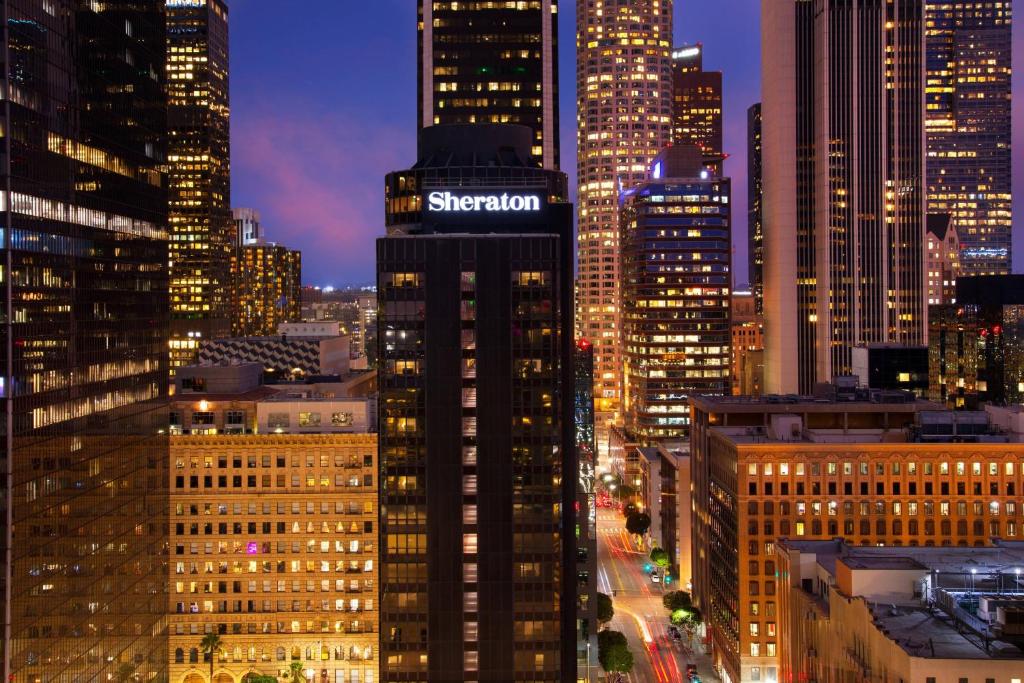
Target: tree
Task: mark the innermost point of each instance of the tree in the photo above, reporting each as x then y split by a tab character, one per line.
638	523
689	619
676	600
659	556
613	652
211	645
126	672
297	672
605	608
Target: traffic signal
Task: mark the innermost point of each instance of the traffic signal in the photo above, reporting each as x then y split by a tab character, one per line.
647	567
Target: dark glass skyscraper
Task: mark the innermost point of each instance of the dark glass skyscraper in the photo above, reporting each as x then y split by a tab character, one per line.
676	285
968	125
697	104
477	441
491	62
202	229
755	208
84	336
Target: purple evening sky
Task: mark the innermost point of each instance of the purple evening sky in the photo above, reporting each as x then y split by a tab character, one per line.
324	105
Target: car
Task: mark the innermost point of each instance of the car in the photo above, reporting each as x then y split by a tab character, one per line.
655	577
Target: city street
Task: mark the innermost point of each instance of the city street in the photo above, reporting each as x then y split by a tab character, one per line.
639	612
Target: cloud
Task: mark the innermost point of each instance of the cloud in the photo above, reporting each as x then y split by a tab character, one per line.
317	178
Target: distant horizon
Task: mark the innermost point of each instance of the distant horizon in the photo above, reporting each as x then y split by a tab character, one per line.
311	156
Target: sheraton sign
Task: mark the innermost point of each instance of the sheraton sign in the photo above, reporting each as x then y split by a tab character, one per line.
490	203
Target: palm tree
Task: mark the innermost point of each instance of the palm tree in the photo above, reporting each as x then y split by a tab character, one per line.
211	645
297	673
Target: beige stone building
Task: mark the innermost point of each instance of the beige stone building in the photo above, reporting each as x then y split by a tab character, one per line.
910	615
273	547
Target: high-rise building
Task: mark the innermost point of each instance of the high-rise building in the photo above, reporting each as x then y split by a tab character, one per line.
248	228
267	289
976	346
83	384
477	441
199	175
755	208
875	468
491	62
624	100
844	200
969	55
942	260
587	665
747	349
676	282
697	105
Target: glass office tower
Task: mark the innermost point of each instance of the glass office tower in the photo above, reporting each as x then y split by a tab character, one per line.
199	155
969	59
697	105
84	336
491	62
676	285
477	441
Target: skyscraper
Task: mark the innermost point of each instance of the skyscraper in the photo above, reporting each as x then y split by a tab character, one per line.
697	105
202	232
586	514
267	289
755	208
83	385
477	438
491	62
676	282
844	200
968	126
624	100
248	228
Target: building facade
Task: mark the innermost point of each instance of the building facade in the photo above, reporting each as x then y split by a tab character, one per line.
879	469
943	259
477	440
587	666
491	63
676	277
755	207
199	175
697	105
83	380
624	104
976	346
844	178
274	548
248	228
894	367
746	368
266	283
847	612
968	126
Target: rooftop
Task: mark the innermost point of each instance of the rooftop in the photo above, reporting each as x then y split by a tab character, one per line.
938	624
